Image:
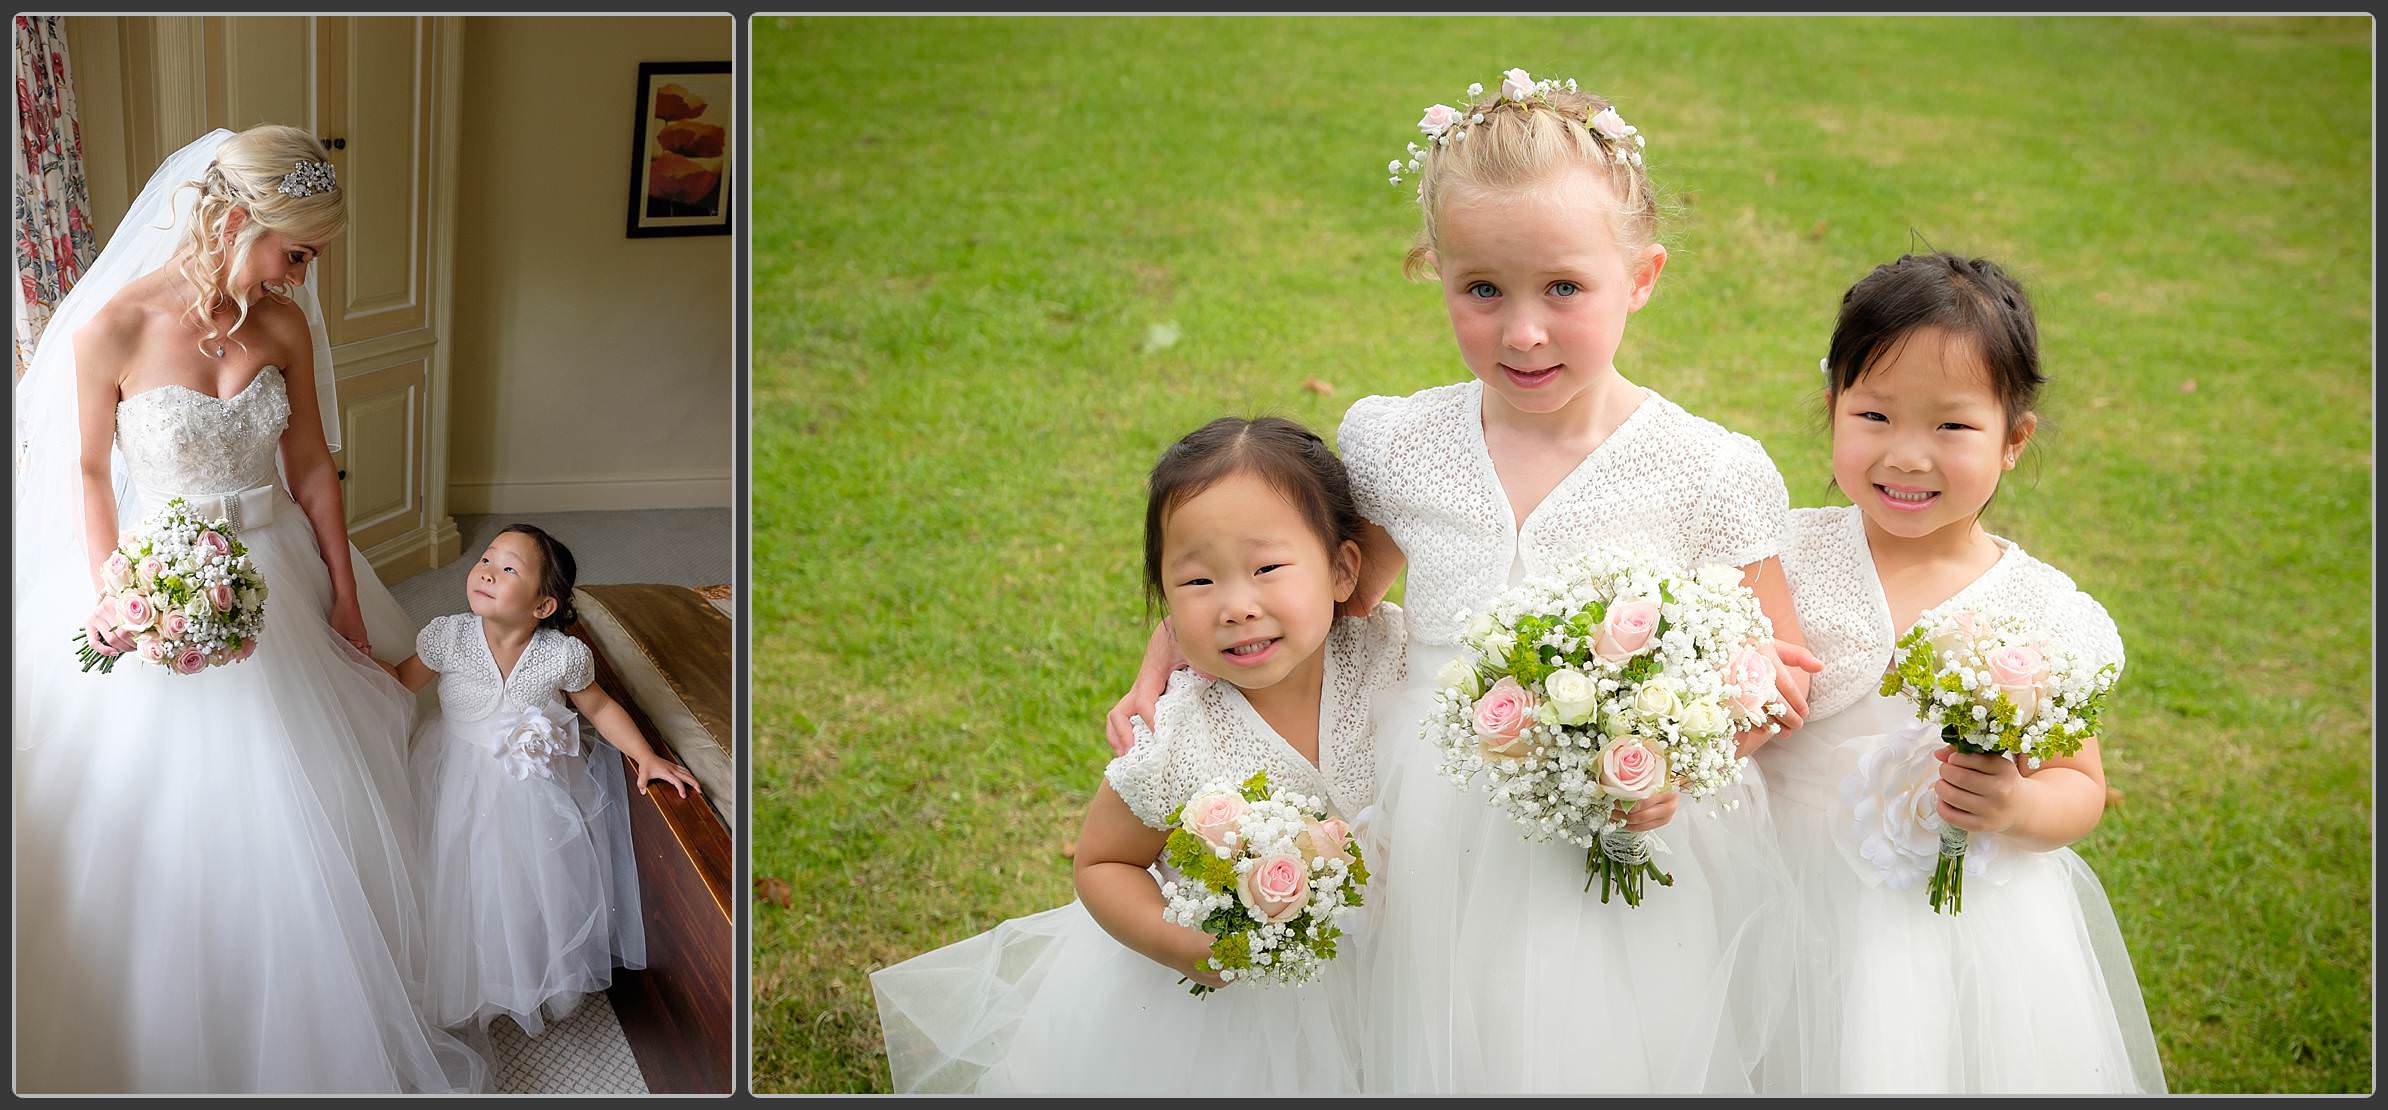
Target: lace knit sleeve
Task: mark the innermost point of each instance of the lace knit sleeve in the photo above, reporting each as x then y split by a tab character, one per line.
2084	627
432	643
1361	443
1745	507
580	667
1151	777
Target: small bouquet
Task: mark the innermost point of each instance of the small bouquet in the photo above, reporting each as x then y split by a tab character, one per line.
1578	695
1267	874
186	589
1988	685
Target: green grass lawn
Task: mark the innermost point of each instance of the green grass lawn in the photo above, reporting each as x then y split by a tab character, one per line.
967	230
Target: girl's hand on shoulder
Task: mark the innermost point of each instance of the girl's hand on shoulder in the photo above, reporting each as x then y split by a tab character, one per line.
665	771
1144	698
1653	812
1980	793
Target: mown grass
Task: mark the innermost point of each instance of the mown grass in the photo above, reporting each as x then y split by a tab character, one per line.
966	230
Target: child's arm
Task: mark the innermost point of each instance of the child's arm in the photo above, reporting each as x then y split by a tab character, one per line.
411	674
2043	809
1795	666
613	722
1114	848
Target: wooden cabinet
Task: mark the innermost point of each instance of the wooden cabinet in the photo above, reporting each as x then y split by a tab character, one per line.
380	90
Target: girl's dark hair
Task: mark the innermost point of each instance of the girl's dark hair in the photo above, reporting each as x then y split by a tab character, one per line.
557	572
1967	297
1289	457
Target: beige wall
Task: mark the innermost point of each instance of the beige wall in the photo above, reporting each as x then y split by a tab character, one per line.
588	370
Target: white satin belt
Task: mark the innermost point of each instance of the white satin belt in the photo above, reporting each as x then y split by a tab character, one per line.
248	508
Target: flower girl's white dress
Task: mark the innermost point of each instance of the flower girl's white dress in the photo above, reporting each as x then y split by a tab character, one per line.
215	886
1051	1004
2029	989
1491	969
532	893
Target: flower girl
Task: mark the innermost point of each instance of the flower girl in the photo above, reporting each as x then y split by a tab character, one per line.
531	895
1251	542
1933	372
1490	968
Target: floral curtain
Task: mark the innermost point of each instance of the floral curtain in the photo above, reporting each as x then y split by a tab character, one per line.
53	228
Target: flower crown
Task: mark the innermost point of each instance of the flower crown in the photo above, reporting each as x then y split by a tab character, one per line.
1444	124
308	179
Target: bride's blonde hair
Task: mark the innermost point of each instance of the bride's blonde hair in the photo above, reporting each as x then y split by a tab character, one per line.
247	173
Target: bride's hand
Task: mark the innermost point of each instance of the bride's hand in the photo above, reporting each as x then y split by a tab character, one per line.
101	632
349	622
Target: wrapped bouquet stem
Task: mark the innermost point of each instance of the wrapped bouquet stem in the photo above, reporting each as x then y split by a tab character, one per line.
1602	686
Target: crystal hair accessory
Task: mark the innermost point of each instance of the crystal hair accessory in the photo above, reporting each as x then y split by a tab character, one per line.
308	179
1444	124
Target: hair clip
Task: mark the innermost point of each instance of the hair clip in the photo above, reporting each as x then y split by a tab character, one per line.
309	179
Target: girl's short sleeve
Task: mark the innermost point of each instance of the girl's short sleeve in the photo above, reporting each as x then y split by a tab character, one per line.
433	643
1745	508
1360	441
580	667
1140	777
1155	776
2087	630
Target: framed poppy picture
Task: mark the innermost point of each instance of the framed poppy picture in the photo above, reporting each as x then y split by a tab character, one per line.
680	149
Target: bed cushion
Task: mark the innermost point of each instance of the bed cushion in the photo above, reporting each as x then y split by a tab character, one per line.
671	646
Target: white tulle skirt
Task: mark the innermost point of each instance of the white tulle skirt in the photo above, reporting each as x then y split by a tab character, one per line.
531	891
215	886
1051	1004
1493	970
2029	990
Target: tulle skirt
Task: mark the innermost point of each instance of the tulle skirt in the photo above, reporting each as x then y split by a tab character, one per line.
2029	990
214	873
531	891
1051	1004
1493	970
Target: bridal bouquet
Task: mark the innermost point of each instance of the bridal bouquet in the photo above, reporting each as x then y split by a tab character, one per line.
186	589
1577	695
1267	874
1986	685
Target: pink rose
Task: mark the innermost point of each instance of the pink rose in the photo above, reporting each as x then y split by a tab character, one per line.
1517	85
2018	672
117	571
135	613
1627	631
1275	889
1631	769
1501	716
174	624
220	596
1752	675
191	661
215	544
1325	839
149	568
246	649
1438	119
152	648
1213	817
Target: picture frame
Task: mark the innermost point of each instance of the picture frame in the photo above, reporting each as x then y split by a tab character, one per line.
683	136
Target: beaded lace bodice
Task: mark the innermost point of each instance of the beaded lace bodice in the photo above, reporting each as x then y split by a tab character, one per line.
1666	482
177	440
1847	620
469	685
1206	731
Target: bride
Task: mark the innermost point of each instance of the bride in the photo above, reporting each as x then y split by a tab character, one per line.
214	877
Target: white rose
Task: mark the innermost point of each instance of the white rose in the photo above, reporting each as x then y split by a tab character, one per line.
1719	577
1705	717
1498	645
1571	696
1460	675
1516	84
1655	701
1479	626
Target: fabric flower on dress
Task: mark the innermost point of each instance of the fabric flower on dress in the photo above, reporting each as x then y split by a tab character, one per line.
533	741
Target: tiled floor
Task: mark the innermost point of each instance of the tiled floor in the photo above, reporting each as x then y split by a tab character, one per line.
584	1053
